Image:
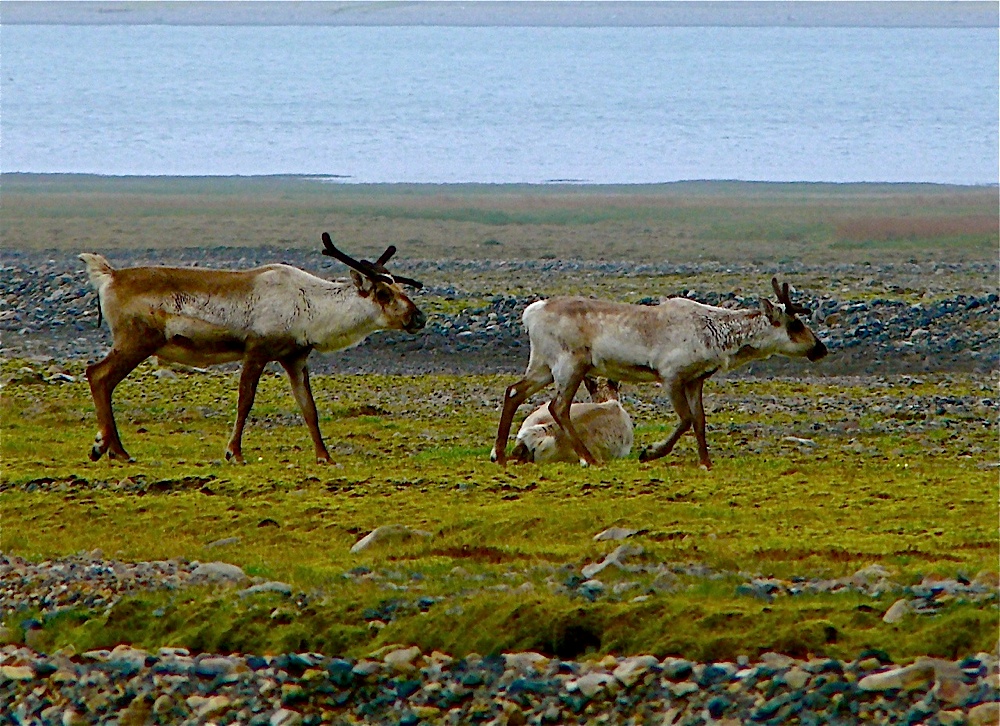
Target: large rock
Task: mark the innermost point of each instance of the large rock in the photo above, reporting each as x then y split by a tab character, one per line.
217	573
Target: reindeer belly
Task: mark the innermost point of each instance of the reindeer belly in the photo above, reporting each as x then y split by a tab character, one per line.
196	342
619	370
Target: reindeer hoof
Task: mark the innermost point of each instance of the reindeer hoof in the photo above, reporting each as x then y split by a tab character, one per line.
234	457
120	456
96	452
644	454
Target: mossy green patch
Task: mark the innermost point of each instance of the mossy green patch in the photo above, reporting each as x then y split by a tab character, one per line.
912	493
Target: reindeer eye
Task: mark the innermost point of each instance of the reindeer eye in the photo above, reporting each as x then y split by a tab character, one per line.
795	326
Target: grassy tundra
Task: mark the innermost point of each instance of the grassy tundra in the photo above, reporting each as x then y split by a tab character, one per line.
891	471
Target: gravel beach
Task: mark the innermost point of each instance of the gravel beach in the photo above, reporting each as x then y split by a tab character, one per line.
50	312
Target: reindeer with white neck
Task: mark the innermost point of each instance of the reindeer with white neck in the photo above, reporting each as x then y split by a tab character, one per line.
679	343
203	317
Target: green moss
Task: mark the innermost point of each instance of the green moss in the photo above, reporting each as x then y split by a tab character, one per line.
862	495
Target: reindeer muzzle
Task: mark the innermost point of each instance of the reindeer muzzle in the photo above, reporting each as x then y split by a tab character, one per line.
817	351
417	321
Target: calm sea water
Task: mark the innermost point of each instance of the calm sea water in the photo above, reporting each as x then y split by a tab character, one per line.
511	104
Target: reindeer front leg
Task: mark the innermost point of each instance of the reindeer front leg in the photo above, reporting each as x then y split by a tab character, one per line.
253	367
298	374
693	392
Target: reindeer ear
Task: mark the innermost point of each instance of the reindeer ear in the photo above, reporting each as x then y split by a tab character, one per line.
363	284
773	314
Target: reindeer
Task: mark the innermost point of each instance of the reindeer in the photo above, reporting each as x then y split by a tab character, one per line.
202	317
603	425
679	343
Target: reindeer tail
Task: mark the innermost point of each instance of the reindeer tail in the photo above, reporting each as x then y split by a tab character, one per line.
100	273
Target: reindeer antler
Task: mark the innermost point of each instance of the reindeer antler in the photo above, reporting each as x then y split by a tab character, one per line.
785	299
365	267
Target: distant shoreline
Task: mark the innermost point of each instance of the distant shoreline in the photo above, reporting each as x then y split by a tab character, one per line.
567	13
22	181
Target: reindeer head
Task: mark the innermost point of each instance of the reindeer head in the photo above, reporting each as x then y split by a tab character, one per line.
385	290
801	340
602	389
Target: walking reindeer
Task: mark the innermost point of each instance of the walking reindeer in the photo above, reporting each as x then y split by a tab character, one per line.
679	343
204	317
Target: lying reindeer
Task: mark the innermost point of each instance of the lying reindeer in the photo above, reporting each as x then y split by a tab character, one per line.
202	317
679	343
603	425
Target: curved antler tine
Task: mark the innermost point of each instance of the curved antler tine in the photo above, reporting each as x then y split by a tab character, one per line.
408	281
389	252
785	298
777	290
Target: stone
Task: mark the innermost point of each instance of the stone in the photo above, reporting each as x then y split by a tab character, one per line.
909	677
590	684
214	666
795	678
985	714
525	662
366	668
224	542
402	659
285	717
282	588
217	573
17	673
614	558
949	682
632	669
615	533
896	612
387	532
163	704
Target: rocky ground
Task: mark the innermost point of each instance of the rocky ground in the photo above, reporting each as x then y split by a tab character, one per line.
871	326
401	685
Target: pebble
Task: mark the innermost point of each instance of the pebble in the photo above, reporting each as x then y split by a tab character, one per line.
388	532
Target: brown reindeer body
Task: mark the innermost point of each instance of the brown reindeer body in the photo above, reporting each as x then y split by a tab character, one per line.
204	317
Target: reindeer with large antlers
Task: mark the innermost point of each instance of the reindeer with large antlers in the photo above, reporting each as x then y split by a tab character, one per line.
679	343
203	317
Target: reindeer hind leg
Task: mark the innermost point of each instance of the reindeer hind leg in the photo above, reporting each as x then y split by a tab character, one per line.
514	396
679	398
559	407
103	377
253	367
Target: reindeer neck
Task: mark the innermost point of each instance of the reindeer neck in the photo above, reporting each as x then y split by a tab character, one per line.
742	336
341	318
